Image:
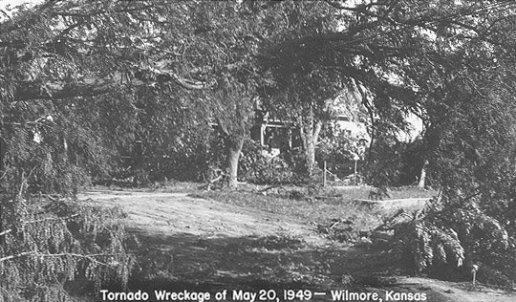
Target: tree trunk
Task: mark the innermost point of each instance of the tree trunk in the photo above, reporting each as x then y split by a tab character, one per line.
422	176
306	128
310	154
3	150
234	149
310	129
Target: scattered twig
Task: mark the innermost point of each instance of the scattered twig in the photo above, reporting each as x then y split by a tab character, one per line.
334	224
221	174
53	197
268	188
211	182
339	221
5	232
216	179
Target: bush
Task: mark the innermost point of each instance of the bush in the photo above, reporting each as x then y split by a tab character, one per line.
273	171
393	163
338	150
257	168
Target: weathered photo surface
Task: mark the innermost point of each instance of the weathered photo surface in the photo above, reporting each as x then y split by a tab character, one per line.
247	151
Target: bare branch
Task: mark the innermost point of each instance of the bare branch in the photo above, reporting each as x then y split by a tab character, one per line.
16	256
54	218
92	87
90	257
189	84
5	232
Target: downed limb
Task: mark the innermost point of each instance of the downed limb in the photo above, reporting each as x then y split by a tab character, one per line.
328	196
16	256
268	188
90	257
54	218
220	176
42	220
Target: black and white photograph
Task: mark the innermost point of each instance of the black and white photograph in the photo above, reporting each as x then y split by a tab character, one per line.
257	151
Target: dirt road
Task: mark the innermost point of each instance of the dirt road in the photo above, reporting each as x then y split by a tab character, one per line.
173	213
212	244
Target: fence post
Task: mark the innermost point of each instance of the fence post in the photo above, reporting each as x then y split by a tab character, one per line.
324	175
356	158
356	175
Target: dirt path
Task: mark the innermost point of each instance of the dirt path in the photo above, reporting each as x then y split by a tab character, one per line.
175	213
209	243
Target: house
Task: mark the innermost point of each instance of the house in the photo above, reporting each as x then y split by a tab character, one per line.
278	136
275	134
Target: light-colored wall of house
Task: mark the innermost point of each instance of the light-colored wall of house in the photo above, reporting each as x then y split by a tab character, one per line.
415	129
8	6
356	130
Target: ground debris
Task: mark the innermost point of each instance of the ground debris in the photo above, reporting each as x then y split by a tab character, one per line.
339	229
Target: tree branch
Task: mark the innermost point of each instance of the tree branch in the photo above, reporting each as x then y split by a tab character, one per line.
5	232
34	254
53	218
189	84
60	90
329	37
91	87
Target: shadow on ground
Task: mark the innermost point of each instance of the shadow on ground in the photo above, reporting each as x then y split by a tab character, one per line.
185	261
198	263
201	264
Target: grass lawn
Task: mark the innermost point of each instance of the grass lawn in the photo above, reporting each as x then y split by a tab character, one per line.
317	206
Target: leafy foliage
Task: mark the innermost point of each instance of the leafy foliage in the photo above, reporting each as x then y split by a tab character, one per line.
88	88
45	250
338	149
430	245
450	239
395	163
259	168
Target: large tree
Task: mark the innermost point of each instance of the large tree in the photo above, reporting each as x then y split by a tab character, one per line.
451	63
302	79
394	53
225	43
61	57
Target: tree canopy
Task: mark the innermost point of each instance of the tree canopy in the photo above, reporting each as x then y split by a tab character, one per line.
86	84
218	58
